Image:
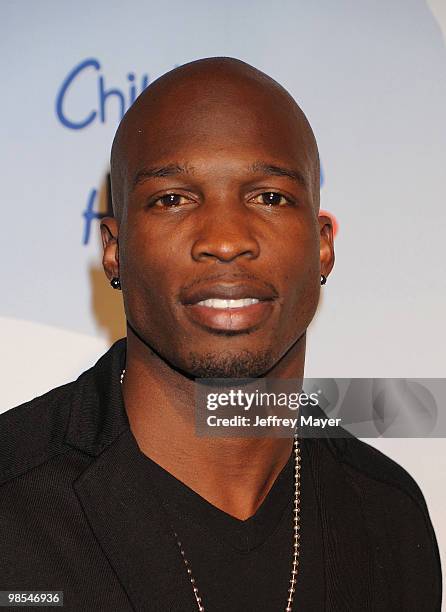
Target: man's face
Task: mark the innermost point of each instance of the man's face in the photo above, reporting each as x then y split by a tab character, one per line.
219	244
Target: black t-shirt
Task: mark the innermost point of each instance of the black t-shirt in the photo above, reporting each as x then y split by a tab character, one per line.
245	566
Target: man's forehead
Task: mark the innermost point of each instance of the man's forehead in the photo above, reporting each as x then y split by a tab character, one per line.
221	118
221	133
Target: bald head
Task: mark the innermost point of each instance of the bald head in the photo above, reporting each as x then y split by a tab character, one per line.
219	102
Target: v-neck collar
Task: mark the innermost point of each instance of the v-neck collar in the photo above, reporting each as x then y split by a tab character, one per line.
242	535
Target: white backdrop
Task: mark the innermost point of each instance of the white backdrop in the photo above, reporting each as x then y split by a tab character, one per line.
370	76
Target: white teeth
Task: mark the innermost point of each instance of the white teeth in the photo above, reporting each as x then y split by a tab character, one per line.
217	303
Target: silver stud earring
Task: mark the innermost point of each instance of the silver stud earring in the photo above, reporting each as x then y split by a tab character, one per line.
323	279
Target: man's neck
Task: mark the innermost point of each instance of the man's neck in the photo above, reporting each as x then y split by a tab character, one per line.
233	474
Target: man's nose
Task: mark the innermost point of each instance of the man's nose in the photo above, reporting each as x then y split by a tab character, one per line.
225	236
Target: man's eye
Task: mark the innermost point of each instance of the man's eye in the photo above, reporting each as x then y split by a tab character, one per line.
170	200
271	198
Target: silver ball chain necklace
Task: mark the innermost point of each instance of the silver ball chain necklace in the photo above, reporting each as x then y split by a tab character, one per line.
296	534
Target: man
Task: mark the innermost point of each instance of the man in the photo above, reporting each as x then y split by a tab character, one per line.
107	492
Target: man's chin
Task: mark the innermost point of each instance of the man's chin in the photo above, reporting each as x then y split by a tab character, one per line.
230	364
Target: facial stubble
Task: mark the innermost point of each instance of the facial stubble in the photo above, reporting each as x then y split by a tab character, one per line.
230	364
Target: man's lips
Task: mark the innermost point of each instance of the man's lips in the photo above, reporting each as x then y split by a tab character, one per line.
229	306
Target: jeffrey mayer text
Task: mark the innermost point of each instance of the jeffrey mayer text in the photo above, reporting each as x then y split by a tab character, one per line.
271	421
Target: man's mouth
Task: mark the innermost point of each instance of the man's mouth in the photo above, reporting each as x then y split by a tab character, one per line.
223	306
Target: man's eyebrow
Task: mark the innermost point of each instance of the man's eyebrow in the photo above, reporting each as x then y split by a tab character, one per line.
273	170
257	167
157	172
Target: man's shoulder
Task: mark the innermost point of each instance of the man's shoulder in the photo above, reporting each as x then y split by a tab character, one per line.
33	432
74	415
371	465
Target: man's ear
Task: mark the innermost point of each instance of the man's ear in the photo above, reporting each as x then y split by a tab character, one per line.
109	235
327	255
